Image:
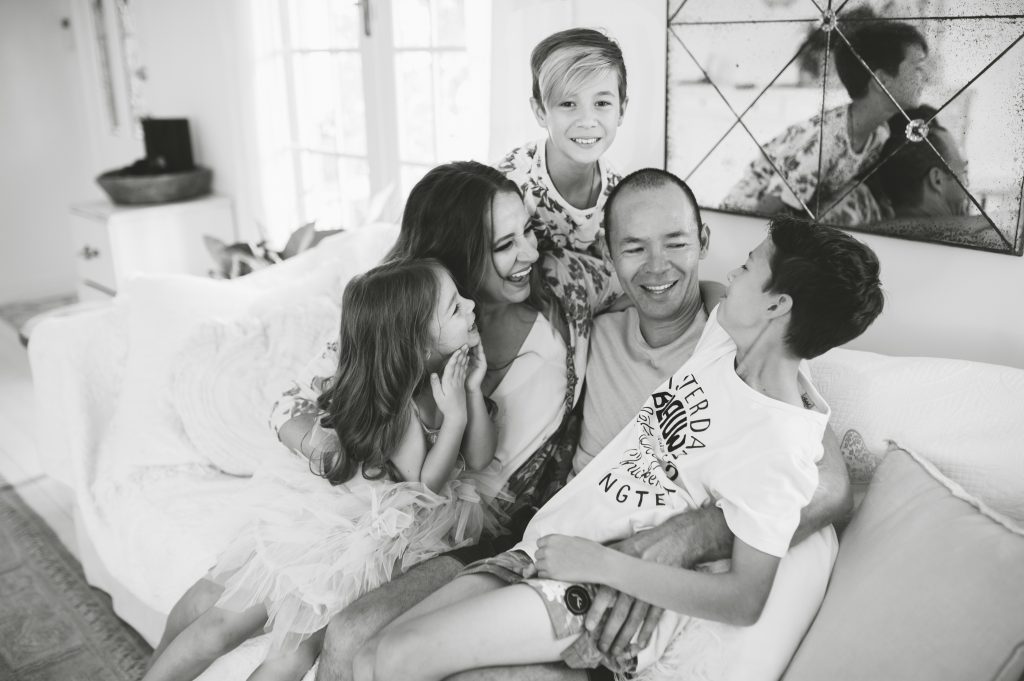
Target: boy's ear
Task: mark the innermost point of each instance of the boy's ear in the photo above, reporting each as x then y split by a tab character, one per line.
935	178
538	112
622	109
780	306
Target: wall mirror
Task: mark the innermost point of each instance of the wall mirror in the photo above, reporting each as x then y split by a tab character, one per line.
896	117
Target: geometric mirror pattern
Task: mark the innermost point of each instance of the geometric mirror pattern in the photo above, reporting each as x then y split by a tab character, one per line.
896	117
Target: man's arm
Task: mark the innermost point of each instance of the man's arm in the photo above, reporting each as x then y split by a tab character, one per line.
833	499
700	536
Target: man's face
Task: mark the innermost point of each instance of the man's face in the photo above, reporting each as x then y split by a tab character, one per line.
907	84
656	244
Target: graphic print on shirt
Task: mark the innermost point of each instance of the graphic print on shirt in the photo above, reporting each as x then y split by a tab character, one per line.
673	423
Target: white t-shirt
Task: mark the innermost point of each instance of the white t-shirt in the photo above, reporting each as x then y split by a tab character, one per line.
703	436
623	370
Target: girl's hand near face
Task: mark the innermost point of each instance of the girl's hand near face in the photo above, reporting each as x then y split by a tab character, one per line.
450	389
570	559
477	369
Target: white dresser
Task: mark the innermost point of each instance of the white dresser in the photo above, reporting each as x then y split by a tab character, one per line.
113	242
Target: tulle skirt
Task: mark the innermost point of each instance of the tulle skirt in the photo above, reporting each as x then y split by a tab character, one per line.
312	548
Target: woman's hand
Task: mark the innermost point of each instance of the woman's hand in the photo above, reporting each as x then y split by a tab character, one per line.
477	369
570	559
450	390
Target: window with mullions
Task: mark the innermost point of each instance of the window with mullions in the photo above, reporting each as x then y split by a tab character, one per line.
377	93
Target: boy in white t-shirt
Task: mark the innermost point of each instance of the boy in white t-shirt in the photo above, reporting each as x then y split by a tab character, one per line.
579	98
738	425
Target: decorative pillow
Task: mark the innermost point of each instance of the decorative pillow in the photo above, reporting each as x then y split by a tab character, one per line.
230	373
162	311
964	416
927	585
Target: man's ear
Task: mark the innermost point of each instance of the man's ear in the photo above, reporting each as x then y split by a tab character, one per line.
538	112
705	240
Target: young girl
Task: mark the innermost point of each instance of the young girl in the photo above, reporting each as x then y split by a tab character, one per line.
579	98
404	403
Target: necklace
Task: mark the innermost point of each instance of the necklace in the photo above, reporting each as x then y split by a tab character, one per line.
595	187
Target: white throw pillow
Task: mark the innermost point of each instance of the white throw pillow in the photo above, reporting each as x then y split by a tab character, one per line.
230	373
965	415
163	312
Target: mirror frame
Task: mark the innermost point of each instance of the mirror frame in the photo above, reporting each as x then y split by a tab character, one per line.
917	229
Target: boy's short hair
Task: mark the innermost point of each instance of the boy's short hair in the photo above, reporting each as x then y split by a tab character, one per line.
567	59
905	164
882	45
832	279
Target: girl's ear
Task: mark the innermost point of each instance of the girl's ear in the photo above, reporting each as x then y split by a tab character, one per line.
538	112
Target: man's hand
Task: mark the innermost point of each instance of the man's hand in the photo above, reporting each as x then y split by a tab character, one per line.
683	540
614	617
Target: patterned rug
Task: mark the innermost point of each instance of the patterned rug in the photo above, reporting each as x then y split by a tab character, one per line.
53	625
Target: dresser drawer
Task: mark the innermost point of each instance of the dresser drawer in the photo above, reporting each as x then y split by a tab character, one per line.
94	255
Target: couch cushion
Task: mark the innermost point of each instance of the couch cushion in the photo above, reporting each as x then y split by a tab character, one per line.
163	312
927	585
965	417
230	373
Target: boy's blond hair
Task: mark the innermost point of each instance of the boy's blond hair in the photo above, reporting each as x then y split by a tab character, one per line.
565	61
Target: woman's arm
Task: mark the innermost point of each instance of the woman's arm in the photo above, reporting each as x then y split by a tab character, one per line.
304	435
735	597
295	414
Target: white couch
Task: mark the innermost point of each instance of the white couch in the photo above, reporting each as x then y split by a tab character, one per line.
154	410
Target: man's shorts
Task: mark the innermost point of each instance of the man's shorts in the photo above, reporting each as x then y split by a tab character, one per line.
566	604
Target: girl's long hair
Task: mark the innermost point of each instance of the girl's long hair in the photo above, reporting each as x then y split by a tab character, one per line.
385	338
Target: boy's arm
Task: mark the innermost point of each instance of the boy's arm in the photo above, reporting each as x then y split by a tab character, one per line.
735	597
703	535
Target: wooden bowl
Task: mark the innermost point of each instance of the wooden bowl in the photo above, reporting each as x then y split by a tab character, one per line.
163	188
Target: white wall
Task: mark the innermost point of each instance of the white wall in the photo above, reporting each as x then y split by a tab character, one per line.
940	301
195	52
44	150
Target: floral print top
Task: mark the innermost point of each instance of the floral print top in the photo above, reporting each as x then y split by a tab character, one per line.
795	154
558	223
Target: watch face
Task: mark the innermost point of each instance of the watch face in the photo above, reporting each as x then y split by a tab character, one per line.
577	599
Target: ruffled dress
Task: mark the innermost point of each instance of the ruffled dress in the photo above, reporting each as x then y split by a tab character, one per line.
313	547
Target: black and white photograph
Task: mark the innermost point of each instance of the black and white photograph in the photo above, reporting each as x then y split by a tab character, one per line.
512	340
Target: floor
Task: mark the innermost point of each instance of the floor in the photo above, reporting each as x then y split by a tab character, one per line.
52	500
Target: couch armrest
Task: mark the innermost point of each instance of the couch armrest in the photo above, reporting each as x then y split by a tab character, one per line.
77	362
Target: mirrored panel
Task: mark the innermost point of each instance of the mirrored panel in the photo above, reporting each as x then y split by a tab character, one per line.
898	117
